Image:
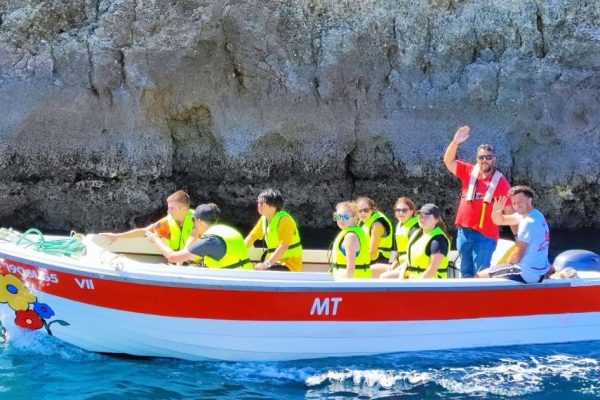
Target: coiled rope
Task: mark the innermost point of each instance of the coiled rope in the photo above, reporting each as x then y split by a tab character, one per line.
72	246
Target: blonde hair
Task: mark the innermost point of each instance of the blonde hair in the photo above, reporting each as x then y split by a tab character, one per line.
350	205
180	197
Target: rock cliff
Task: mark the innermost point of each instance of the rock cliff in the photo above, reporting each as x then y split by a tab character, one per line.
107	106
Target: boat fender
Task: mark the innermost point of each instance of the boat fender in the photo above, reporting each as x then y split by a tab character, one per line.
579	260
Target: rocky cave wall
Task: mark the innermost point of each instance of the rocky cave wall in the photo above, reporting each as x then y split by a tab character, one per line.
107	106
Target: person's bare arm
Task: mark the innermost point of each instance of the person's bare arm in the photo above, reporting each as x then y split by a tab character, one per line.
498	216
171	255
377	231
517	254
351	245
460	136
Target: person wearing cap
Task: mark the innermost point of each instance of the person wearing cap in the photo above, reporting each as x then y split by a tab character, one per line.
221	246
280	233
378	228
481	183
528	262
350	249
428	248
175	228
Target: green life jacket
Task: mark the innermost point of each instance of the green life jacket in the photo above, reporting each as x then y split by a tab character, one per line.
385	244
403	234
236	253
362	267
418	260
180	235
272	237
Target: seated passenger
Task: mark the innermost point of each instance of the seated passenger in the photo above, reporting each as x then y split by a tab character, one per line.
220	245
528	262
280	232
408	223
428	248
350	250
378	229
175	228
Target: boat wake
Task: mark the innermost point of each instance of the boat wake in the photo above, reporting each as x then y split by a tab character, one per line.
478	373
505	377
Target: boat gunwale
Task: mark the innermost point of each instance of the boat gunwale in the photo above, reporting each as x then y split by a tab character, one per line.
234	280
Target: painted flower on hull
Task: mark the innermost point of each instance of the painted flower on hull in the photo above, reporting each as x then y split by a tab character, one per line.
29	313
14	292
43	310
28	319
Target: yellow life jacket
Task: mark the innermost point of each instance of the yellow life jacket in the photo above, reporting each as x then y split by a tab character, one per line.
236	253
272	237
385	244
362	268
418	260
179	235
403	234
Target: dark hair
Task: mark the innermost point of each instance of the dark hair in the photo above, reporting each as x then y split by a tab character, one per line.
487	147
369	201
526	190
272	197
180	197
407	201
209	213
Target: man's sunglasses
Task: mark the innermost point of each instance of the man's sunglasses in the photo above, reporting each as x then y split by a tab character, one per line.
487	157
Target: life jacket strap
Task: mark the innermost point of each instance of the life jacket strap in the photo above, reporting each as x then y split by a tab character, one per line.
237	264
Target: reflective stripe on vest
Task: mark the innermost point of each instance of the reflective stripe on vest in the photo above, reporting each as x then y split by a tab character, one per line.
489	194
403	234
272	236
362	268
236	253
179	235
385	244
418	260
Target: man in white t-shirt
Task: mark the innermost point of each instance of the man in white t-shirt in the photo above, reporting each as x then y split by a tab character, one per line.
528	262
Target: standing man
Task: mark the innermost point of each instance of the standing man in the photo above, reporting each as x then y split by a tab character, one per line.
280	232
220	245
528	262
481	183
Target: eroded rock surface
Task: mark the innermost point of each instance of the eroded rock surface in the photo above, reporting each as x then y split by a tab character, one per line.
108	106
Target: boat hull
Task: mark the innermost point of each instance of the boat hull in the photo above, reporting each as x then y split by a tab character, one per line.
202	314
105	330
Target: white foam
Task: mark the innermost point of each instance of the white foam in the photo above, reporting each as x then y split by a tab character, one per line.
502	377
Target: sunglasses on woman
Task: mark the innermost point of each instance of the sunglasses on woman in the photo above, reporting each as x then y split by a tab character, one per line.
343	217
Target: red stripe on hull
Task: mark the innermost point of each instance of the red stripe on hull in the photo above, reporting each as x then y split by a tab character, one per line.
400	304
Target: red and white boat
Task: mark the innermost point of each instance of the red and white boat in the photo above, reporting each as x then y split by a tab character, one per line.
112	302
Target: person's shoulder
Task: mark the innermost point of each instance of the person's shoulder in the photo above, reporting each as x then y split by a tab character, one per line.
463	168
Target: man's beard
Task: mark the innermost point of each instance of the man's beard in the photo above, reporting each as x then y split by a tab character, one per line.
487	168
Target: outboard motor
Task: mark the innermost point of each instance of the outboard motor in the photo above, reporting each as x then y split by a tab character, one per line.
579	260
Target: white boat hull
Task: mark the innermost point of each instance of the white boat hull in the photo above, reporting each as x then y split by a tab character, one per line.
120	306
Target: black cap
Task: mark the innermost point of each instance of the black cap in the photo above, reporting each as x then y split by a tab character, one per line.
430	209
207	212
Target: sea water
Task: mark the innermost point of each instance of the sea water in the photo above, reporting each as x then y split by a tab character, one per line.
34	365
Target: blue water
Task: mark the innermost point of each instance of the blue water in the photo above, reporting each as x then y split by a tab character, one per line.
36	366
